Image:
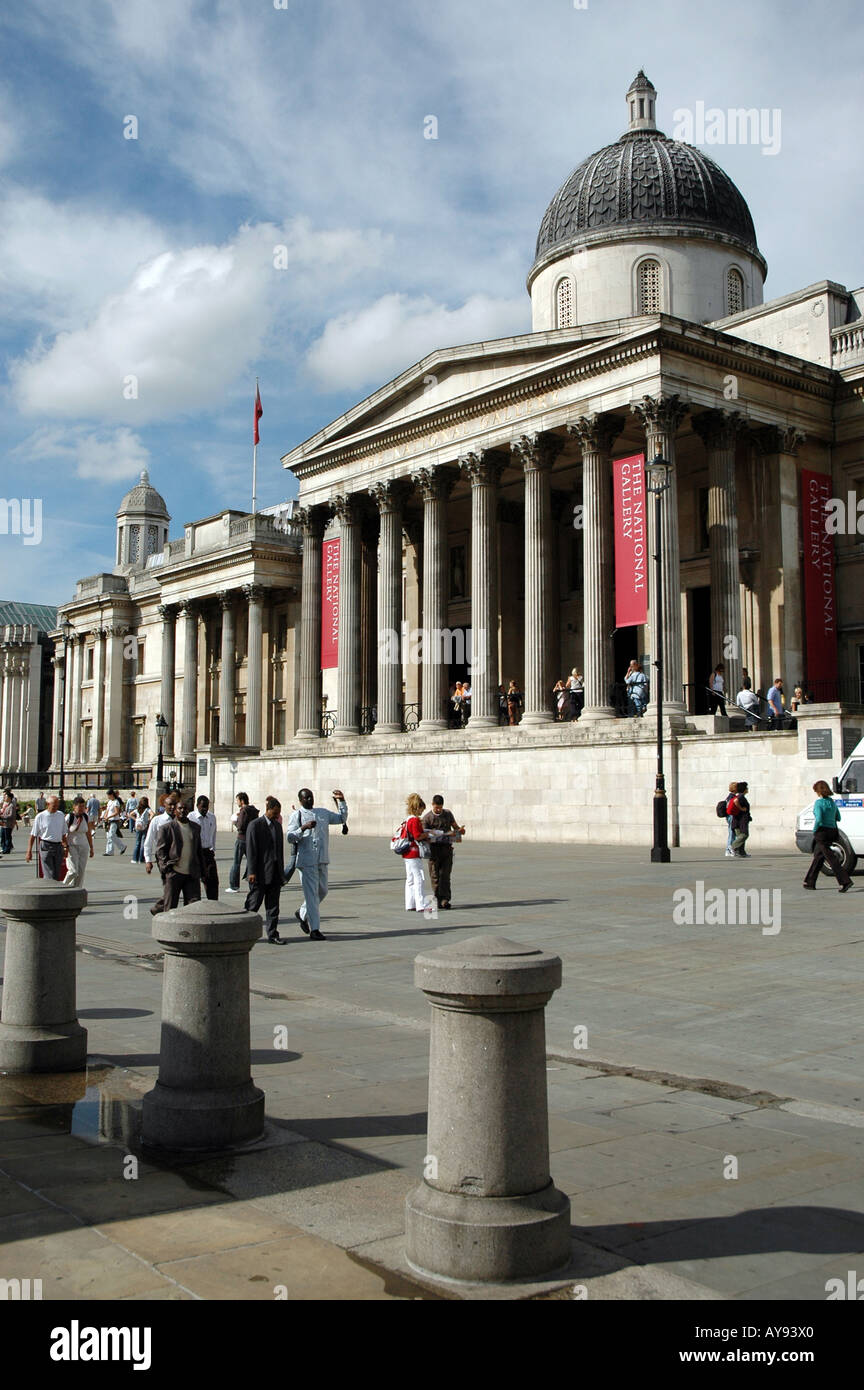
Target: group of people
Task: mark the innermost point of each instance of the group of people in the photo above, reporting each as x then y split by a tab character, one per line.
430	837
750	701
569	696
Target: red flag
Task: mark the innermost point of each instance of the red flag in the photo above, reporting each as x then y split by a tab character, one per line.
258	413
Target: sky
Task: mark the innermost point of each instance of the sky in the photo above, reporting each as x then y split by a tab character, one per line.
193	195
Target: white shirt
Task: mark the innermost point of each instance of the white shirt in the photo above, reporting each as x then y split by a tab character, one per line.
207	825
50	825
112	811
150	838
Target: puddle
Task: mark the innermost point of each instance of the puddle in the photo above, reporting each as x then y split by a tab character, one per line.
101	1105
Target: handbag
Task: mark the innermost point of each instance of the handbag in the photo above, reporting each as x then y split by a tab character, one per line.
424	849
400	842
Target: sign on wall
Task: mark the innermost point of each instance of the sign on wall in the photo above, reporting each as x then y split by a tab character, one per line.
820	602
329	605
820	744
631	541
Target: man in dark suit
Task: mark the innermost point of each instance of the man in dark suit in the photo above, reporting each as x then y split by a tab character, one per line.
178	854
265	866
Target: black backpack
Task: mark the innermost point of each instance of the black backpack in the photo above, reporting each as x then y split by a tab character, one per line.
721	807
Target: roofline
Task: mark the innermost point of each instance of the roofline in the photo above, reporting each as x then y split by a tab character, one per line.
641	231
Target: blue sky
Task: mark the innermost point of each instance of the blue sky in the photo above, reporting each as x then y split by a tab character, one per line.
302	127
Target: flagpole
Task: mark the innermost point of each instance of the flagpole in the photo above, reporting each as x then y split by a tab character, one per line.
255	460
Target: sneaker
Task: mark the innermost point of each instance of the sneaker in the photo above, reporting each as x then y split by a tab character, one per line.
730	854
232	890
304	926
315	935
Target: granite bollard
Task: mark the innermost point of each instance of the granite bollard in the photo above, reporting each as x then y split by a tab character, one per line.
487	1209
39	1028
204	1098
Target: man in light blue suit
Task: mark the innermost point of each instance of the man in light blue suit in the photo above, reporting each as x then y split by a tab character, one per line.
309	830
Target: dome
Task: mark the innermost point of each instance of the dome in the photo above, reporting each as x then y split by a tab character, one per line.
144	498
640	183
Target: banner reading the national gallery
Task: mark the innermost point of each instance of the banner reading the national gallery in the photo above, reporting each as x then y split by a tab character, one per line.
820	599
631	541
329	605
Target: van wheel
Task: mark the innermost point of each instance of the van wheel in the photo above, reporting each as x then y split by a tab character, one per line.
845	854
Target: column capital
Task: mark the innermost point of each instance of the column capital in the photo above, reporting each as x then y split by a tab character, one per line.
168	612
434	484
597	432
483	466
117	629
190	607
778	439
538	450
389	496
312	521
227	598
658	413
345	508
718	429
253	593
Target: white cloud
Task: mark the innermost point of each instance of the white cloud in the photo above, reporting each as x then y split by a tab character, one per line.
106	455
188	324
378	342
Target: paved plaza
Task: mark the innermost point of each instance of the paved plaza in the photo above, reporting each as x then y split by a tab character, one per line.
678	1056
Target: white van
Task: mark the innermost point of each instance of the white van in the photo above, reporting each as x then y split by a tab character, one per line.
849	796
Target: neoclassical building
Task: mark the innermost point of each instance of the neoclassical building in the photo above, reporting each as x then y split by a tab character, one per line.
474	492
198	629
26	683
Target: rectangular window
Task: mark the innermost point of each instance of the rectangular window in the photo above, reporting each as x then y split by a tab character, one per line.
281	638
86	742
141	658
137	740
703	540
89	676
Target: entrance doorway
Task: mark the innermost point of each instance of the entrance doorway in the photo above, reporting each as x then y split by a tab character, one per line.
702	658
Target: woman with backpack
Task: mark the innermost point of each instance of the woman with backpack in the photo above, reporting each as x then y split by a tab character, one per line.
412	830
724	814
826	815
142	823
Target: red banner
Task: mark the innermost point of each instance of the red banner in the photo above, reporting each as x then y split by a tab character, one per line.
631	541
820	599
329	605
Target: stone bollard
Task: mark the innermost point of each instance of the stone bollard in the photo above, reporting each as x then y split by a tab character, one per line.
204	1097
487	1208
39	1028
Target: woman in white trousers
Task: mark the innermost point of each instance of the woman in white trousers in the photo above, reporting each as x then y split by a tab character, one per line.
415	878
79	840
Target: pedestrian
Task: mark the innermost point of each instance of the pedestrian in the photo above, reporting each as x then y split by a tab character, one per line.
204	818
748	701
167	802
49	833
502	706
131	810
242	818
775	700
265	866
142	825
637	688
738	807
799	698
309	830
717	690
826	815
94	810
40	802
730	833
515	702
466	701
8	820
458	702
561	696
576	693
440	825
178	854
111	817
79	841
412	829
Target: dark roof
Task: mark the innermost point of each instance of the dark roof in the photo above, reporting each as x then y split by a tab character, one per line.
646	178
39	615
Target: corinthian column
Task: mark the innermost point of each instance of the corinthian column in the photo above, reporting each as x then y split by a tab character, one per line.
113	739
75	750
389	498
254	596
537	453
98	693
189	733
660	417
435	486
168	614
718	429
596	435
348	674
780	525
228	672
484	470
312	521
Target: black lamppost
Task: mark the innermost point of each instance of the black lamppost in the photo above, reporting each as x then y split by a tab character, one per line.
657	483
161	731
66	629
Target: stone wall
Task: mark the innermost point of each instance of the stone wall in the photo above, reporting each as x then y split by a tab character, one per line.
562	784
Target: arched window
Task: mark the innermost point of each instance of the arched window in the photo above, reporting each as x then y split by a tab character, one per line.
734	291
564	303
134	545
650	288
152	540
